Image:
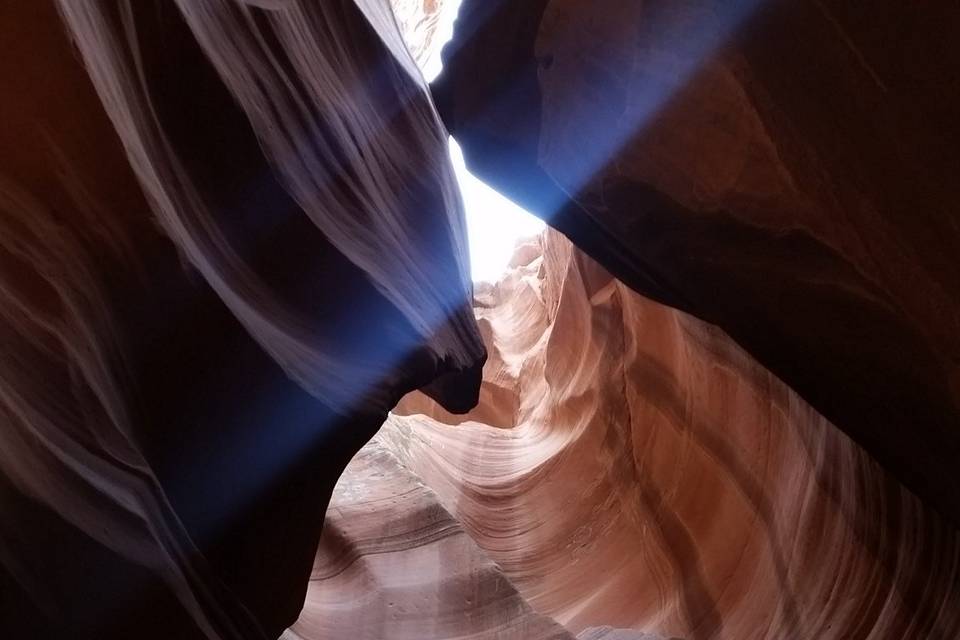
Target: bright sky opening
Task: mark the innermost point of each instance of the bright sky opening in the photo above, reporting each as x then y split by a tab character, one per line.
494	223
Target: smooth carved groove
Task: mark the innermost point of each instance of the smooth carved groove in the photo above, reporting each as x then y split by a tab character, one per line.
230	241
393	563
247	387
658	478
783	170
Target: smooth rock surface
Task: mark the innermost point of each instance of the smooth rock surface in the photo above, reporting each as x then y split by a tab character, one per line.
656	477
230	241
394	564
785	170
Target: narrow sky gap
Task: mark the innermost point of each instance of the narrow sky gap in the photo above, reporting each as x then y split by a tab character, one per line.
494	223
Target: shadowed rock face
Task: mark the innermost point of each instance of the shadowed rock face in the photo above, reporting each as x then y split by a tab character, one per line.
780	169
656	477
230	242
212	289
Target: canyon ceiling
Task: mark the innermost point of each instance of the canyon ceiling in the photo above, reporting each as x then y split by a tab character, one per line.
247	389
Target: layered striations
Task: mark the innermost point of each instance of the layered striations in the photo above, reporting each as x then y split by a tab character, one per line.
654	476
394	563
230	240
784	170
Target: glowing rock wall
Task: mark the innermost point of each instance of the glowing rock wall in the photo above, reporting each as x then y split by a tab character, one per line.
654	476
782	169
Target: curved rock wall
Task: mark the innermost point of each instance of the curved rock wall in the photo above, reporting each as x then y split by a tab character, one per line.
654	476
784	170
393	563
230	240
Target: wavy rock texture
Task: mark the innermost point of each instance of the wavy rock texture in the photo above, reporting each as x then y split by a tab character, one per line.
654	476
230	240
394	563
782	169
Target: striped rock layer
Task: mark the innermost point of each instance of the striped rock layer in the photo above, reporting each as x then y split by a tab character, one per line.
652	475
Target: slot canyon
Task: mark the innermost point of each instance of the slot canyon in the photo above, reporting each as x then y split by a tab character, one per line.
249	389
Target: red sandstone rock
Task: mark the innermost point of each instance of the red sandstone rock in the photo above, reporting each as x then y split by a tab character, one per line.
784	170
394	564
230	240
175	409
656	477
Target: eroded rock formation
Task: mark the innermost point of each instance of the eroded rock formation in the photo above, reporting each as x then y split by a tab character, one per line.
394	563
230	240
654	476
785	170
